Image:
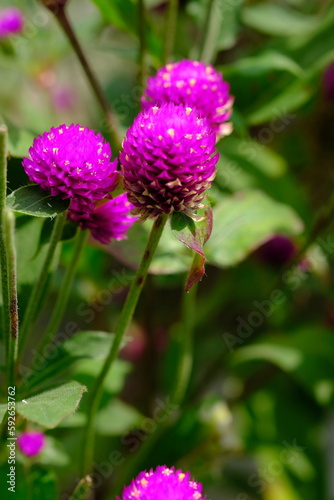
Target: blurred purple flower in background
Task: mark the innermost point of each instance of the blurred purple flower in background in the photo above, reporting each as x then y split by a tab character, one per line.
328	82
277	251
64	98
193	84
163	484
31	443
167	160
11	22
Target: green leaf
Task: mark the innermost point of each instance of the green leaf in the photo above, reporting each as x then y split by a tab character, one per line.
241	223
194	235
117	418
87	370
3	410
307	354
90	344
251	156
32	200
276	20
290	98
50	407
263	63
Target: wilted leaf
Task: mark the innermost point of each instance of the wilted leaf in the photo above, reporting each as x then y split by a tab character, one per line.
194	235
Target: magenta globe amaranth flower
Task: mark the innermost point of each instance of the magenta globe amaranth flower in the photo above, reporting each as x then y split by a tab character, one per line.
193	83
112	220
31	443
11	22
163	484
72	161
168	160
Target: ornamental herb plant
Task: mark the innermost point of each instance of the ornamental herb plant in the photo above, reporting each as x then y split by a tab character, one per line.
166	250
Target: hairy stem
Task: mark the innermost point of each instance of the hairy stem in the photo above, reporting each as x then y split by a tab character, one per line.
121	328
3	248
9	222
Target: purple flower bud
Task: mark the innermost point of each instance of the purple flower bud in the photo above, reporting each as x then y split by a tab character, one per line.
193	84
168	160
11	22
72	161
31	443
163	484
109	221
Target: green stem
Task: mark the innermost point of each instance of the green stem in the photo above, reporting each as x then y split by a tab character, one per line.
170	29
210	31
142	44
9	220
64	292
111	120
186	345
183	372
121	328
83	489
3	248
38	288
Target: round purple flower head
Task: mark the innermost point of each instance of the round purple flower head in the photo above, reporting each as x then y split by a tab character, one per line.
163	484
109	221
167	160
72	161
31	443
193	83
11	22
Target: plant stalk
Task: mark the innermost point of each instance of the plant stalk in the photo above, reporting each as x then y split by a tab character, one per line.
3	248
170	29
183	372
142	44
111	120
210	31
9	222
121	328
31	312
64	292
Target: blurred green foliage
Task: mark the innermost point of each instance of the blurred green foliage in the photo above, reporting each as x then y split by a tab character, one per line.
257	420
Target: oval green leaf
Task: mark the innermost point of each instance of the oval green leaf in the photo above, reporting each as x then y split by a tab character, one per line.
32	200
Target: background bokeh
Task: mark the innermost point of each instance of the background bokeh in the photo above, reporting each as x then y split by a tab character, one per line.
257	420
